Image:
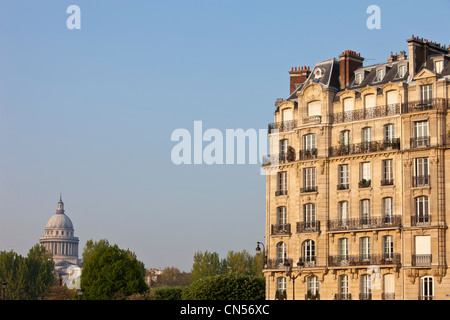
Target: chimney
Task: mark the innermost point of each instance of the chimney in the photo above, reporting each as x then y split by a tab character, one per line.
419	51
298	76
349	61
393	57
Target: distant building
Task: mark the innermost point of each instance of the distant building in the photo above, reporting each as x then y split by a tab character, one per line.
59	239
356	185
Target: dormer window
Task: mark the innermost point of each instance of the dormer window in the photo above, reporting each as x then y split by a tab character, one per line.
438	66
359	78
318	73
401	71
380	74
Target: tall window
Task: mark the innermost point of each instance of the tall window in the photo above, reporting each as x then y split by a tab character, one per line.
366	287
364	175
348	104
380	74
281	216
388	247
426	288
309	252
421	134
369	101
389	132
364	211
343	248
426	93
389	287
343	287
388	172
359	78
343	176
284	144
439	66
281	288
366	139
345	138
401	71
422	210
421	172
343	211
309	214
364	245
282	183
388	210
281	252
312	288
309	145
309	180
314	108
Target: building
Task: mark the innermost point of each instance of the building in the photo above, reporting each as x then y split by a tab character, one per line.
59	239
356	191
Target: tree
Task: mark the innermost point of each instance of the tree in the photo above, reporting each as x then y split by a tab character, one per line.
40	268
110	272
172	276
206	264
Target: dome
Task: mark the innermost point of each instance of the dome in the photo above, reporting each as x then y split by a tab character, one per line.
59	221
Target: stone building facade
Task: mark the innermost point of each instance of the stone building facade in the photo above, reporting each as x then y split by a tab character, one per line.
355	181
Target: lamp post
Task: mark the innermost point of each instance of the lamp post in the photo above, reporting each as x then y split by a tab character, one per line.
288	270
258	251
4	284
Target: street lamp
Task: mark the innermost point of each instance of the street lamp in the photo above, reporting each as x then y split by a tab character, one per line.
258	251
4	284
288	270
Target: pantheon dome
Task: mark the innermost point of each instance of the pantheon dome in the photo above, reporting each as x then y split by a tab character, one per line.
59	238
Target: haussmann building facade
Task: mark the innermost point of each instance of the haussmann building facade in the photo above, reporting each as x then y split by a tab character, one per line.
356	184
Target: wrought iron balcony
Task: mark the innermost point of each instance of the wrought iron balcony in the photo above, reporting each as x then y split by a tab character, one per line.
421	260
278	158
281	229
424	105
364	147
312	120
421	181
308	262
281	193
308	154
364	260
282	126
365	296
365	223
422	220
368	113
343	296
277	263
420	142
387	182
308	189
308	226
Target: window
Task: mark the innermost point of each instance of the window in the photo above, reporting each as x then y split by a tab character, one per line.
366	287
312	288
314	108
438	66
388	172
345	138
426	93
389	287
343	248
422	212
281	216
281	289
343	177
343	211
421	138
364	207
421	173
426	288
281	252
380	74
309	214
349	104
388	247
287	114
364	175
389	132
401	71
359	78
343	287
391	97
369	101
309	253
366	134
309	180
364	245
388	210
309	142
284	144
282	183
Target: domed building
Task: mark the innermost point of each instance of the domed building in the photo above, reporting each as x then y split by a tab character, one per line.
59	238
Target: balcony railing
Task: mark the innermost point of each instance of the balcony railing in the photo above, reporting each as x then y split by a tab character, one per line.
282	126
312	120
422	220
365	223
278	158
368	113
364	147
420	142
281	193
308	189
365	296
421	260
343	186
387	182
277	263
308	262
308	154
421	181
308	226
281	229
364	260
424	105
343	296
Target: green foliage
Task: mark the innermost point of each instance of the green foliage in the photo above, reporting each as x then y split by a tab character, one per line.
110	272
26	277
206	264
232	286
168	293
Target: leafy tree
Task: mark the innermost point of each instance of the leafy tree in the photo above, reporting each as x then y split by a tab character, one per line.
232	286
206	264
172	276
110	272
40	268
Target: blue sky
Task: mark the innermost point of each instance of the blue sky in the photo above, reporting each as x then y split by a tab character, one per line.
89	113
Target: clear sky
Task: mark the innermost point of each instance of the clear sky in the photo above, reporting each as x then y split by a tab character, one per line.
89	113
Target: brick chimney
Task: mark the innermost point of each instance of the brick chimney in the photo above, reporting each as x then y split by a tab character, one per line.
298	76
419	51
349	61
